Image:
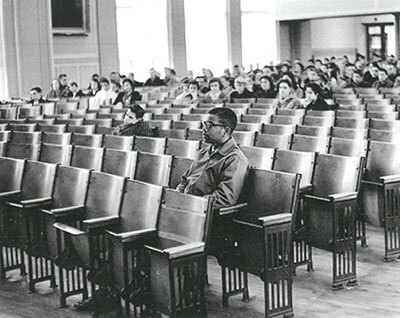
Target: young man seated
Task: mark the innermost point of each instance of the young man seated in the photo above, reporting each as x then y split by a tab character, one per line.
220	169
133	124
36	96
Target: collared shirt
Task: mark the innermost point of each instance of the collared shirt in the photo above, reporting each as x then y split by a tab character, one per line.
220	173
140	128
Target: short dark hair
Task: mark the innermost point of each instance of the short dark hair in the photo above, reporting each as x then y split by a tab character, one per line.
315	88
284	80
128	80
116	83
226	116
195	83
62	75
74	84
216	80
36	89
172	71
137	110
104	80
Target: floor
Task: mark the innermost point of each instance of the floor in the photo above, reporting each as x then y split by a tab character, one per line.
376	295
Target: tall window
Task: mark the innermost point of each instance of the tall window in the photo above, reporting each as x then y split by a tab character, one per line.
142	36
259	43
380	39
206	36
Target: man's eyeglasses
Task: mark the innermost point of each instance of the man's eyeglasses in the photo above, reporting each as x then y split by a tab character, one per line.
209	124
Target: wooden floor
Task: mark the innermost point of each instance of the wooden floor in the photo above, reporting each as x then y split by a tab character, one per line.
377	294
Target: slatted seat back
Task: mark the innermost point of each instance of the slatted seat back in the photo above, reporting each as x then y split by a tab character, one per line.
3	148
351	114
382	160
291	112
161	124
38	180
273	141
118	142
318	121
273	129
52	153
95	140
23	151
59	139
315	131
32	111
270	192
384	135
309	144
183	217
357	123
104	195
265	100
266	119
23	127
243	105
178	168
295	162
20	137
348	147
259	157
153	168
186	124
182	148
87	157
349	133
287	120
392	125
335	174
119	162
11	171
244	138
173	133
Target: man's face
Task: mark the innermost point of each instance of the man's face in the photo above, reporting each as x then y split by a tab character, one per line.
357	78
213	131
214	87
284	90
265	84
374	71
63	80
130	118
312	75
239	87
127	87
201	81
193	89
73	88
105	86
114	87
382	76
35	95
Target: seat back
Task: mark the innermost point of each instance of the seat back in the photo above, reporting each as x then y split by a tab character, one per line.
382	160
287	120
38	180
259	157
182	124
273	141
11	171
349	133
335	174
23	151
20	137
184	217
70	186
119	162
95	140
182	148
84	129
104	195
273	129
295	162
56	154
384	135
150	144
359	123
3	148
23	127
194	134
140	206
291	112
308	143
60	128
393	125
153	168
318	121
104	122
87	157
118	142
172	133
315	131
351	113
348	147
178	168
270	192
57	138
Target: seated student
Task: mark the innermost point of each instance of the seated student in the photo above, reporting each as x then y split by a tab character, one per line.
36	96
193	90
227	84
94	87
357	80
383	80
397	82
55	90
116	88
371	76
133	124
75	91
105	96
392	71
314	98
221	169
170	76
266	88
286	96
131	76
130	95
154	79
203	85
241	90
215	95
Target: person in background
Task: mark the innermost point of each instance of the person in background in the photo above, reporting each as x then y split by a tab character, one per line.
62	78
371	76
266	88
240	90
154	79
115	77
227	84
383	80
397	82
314	98
250	85
188	77
55	91
170	76
130	95
357	80
133	124
105	96
286	96
116	88
36	96
94	87
215	95
193	90
203	84
75	91
131	76
392	71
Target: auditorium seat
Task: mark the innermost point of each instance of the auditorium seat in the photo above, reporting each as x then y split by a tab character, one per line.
94	140
315	131
349	133
119	162
273	129
291	112
71	121
172	133
259	157
4	127
161	124
8	113
244	138
42	121
105	122
348	147
173	117
83	129
3	148
287	120
21	137
62	107
309	144
118	142
153	168
182	124
318	121
358	123
273	141
52	153
155	145
384	115
265	119
381	108
22	127
60	128
250	127
87	157
351	113
31	111
5	135
114	116
182	148
261	111
178	168
194	134
382	124
53	138
384	135
23	151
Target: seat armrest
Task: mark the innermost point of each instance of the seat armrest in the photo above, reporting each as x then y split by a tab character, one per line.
377	184
101	222
390	179
306	189
33	203
59	212
340	197
314	197
275	219
184	250
134	235
68	229
245	223
8	194
234	209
